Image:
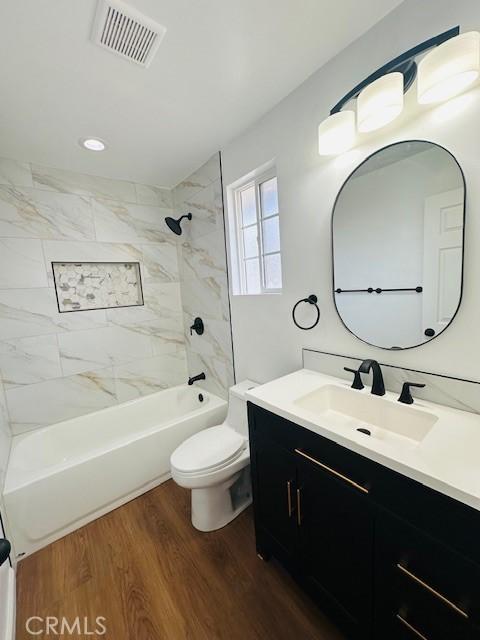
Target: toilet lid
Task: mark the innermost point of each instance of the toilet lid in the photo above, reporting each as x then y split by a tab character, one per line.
213	447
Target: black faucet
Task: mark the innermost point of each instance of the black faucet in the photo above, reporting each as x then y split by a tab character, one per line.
201	376
406	396
357	380
378	386
197	326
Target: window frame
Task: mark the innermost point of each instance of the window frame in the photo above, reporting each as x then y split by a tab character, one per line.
255	182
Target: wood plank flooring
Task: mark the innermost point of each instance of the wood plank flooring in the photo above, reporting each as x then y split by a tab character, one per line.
153	577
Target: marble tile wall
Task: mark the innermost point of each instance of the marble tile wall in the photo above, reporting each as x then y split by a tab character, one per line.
5	439
57	366
203	276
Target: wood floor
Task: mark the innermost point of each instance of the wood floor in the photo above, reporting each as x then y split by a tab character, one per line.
153	577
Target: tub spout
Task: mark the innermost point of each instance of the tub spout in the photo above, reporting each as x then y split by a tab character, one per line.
201	376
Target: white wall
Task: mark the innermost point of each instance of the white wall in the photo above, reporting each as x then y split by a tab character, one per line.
266	343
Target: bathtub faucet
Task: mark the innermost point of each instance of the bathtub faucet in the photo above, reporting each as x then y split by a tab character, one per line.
201	376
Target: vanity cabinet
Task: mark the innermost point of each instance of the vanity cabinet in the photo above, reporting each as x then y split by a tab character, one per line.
384	556
422	586
335	543
275	495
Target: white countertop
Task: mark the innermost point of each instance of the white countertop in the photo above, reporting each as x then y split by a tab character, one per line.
447	459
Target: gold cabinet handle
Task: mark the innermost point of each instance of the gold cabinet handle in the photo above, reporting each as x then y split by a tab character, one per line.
299	508
289	498
412	629
431	590
332	471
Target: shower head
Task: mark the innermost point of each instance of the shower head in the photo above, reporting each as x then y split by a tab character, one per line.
174	225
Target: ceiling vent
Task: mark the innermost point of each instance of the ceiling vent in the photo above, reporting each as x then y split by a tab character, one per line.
126	32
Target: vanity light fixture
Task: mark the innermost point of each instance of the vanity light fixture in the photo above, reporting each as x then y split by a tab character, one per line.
380	103
337	133
93	144
449	69
451	64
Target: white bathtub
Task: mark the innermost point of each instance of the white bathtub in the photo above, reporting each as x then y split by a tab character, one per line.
65	475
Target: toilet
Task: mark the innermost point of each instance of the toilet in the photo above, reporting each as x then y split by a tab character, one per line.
215	465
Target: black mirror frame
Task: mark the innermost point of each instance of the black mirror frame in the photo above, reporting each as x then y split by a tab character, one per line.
393	144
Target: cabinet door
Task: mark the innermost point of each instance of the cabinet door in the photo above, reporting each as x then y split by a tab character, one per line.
422	588
336	533
273	475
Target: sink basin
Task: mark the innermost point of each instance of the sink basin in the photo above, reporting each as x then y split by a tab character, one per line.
431	443
382	419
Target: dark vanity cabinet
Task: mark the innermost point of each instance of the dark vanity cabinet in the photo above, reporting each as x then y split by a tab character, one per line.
383	555
335	541
275	499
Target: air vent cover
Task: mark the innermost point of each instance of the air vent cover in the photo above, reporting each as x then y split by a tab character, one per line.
126	32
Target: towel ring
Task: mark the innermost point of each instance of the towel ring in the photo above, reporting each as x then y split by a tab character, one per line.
312	299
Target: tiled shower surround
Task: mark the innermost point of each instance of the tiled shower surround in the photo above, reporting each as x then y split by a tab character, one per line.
203	276
57	366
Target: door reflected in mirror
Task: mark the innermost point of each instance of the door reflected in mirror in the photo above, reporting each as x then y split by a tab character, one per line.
398	230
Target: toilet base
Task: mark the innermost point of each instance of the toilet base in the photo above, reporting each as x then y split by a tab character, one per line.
214	507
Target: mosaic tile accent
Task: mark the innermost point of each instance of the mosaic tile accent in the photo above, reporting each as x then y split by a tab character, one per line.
82	286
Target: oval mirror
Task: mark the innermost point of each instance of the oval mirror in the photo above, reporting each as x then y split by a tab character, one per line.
398	230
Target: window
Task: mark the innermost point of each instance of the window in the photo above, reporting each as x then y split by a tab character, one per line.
258	236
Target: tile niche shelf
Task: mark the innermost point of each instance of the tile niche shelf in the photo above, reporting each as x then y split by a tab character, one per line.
83	286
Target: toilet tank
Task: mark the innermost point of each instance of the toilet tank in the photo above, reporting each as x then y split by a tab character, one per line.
237	406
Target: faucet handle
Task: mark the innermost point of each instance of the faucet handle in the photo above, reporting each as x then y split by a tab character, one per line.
197	326
357	380
406	396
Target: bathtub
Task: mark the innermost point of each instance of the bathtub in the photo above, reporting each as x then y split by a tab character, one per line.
63	476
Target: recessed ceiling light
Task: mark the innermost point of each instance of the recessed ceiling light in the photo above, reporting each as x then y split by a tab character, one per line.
93	144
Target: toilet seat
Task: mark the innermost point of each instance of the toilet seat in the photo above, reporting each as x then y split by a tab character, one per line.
208	451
